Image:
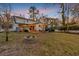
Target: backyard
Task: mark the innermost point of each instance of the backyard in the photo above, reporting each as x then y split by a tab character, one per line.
52	43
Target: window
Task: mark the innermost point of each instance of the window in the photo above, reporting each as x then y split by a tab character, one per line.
10	26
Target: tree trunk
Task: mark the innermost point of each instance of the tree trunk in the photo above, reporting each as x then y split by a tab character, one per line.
7	36
63	16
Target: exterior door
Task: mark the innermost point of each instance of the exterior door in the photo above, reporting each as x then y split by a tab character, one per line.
32	28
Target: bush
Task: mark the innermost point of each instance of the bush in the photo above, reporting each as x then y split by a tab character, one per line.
63	28
50	29
74	27
70	27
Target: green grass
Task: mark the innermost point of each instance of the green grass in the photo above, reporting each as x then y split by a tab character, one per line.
53	44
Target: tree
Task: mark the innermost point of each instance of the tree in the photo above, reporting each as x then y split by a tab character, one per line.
6	10
75	10
67	16
33	12
0	22
63	14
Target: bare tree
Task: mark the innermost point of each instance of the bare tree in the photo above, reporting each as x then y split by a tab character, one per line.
6	9
75	10
65	11
67	15
33	12
63	14
0	23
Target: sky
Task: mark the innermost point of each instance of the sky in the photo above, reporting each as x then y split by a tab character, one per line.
47	9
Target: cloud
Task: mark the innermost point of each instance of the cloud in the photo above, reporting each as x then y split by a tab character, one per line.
45	11
24	12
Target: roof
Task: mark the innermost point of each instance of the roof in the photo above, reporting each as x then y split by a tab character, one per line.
21	17
22	20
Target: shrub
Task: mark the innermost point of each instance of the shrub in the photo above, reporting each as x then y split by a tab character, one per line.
50	29
70	27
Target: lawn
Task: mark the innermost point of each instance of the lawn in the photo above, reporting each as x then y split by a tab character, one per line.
53	44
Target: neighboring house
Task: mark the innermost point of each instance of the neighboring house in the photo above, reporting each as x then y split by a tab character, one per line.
40	26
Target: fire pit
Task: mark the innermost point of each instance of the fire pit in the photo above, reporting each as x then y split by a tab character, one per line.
30	39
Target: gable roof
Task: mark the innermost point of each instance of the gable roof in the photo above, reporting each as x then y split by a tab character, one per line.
22	20
20	17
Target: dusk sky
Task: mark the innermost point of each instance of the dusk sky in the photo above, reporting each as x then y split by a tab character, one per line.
51	10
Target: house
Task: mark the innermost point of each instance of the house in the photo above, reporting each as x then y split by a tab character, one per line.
22	24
